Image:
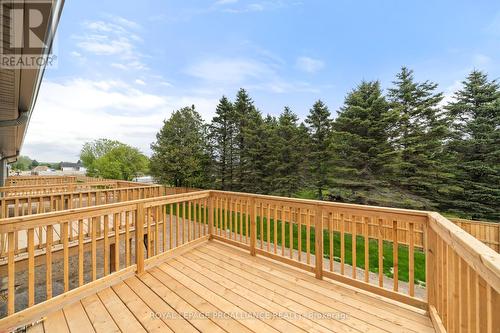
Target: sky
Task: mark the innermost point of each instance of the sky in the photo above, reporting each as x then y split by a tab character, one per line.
122	69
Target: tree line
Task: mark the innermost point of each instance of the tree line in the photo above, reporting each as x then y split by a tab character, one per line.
113	160
402	147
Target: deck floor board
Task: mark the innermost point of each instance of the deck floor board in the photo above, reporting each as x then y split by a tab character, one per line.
218	288
357	303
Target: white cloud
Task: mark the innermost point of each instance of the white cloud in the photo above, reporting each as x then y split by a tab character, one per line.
68	114
113	38
309	65
224	2
124	22
140	82
222	74
481	60
101	45
235	7
229	71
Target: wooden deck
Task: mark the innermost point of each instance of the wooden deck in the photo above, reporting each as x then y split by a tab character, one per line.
215	287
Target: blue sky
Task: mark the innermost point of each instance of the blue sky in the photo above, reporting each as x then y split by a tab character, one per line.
122	69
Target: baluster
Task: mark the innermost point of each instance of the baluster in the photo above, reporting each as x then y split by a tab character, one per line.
353	243
48	261
80	252
411	258
395	254
367	248
275	224
64	235
31	267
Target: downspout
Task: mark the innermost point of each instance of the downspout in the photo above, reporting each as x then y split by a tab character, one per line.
19	121
3	169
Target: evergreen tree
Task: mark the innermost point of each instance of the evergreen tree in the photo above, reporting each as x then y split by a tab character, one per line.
248	126
319	127
289	154
180	153
252	164
419	135
476	146
223	133
361	149
269	153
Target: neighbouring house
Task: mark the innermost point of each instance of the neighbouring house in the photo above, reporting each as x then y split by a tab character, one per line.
73	167
39	169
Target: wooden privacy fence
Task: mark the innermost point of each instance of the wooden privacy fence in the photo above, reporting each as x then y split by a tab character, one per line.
39	180
461	274
168	223
486	232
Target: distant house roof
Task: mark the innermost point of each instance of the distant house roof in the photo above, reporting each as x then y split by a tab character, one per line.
71	165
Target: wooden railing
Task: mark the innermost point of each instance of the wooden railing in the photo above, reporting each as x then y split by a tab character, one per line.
39	180
9	191
26	190
452	275
22	206
285	229
42	203
486	232
88	179
126	225
463	279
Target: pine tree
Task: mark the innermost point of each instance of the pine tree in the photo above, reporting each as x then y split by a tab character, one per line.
248	126
180	152
223	133
289	154
251	162
269	154
419	135
362	152
476	146
319	127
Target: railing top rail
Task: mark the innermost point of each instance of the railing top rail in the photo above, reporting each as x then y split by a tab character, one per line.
12	224
46	195
486	223
329	204
483	259
39	177
22	187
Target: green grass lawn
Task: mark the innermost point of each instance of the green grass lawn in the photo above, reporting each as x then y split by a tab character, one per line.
403	253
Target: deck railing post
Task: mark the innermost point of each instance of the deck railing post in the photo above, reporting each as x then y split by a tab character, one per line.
253	226
210	215
430	243
318	244
139	238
